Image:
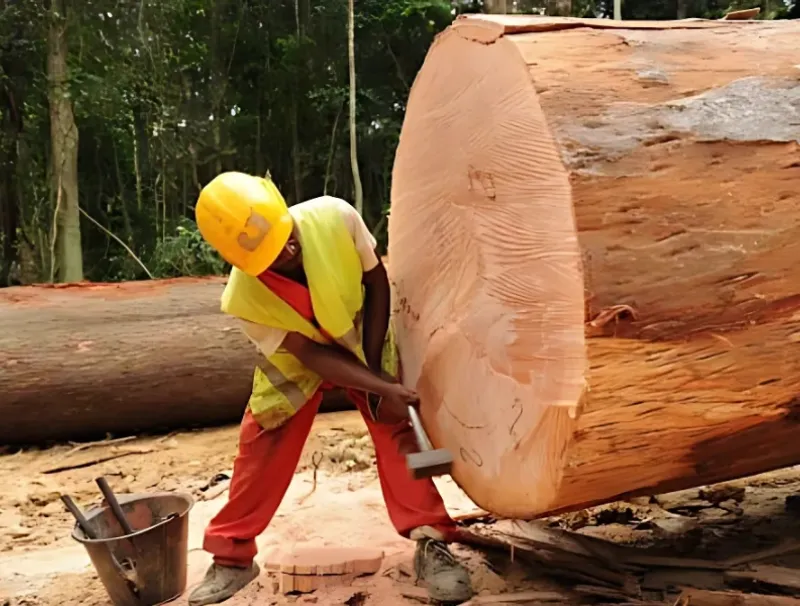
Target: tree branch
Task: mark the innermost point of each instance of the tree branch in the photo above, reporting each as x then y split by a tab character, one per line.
331	150
55	233
119	240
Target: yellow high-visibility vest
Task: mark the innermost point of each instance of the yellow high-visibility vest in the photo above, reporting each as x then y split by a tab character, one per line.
282	385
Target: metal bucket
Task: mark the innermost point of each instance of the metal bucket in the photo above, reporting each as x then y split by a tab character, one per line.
147	567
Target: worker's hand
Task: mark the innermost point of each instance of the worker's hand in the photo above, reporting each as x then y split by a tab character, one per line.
394	403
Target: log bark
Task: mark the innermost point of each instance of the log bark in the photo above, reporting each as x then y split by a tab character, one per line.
679	141
78	361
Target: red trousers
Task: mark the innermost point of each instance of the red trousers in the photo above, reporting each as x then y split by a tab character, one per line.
266	463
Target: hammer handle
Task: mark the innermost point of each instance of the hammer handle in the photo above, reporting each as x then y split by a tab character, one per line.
423	441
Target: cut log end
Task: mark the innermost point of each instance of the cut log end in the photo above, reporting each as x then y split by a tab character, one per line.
490	310
522	134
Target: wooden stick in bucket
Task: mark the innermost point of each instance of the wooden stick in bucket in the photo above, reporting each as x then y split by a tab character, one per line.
111	499
76	512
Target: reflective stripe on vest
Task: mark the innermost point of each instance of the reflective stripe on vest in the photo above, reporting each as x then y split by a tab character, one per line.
288	388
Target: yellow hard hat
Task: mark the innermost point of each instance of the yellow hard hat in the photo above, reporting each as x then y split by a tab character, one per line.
245	219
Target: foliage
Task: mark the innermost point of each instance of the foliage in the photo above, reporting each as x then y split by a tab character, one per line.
168	93
185	253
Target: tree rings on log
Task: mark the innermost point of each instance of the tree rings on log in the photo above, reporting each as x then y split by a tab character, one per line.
636	180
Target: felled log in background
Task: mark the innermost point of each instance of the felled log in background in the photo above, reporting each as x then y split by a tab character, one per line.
680	141
78	361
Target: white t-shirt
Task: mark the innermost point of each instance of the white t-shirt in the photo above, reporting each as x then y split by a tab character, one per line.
267	338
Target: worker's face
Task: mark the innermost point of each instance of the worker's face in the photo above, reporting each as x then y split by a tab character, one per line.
290	258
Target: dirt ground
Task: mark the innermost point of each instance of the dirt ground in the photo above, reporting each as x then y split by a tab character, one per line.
41	565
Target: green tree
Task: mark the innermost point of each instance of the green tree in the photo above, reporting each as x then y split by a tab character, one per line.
167	93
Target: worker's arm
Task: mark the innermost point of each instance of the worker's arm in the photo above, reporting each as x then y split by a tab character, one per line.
376	314
376	286
345	370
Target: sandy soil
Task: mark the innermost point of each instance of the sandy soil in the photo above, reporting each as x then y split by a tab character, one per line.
41	565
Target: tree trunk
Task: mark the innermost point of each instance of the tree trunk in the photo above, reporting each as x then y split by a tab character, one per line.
10	130
562	8
685	202
64	153
218	81
141	154
12	99
498	7
358	193
297	163
82	360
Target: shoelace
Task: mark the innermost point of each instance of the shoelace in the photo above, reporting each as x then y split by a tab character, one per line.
440	549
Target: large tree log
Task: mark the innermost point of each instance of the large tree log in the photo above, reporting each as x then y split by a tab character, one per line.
80	360
680	143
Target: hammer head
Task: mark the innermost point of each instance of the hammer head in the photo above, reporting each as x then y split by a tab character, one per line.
429	463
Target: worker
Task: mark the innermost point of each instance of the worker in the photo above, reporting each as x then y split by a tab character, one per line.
306	283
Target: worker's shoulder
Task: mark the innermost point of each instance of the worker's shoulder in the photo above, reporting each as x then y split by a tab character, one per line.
328	201
345	209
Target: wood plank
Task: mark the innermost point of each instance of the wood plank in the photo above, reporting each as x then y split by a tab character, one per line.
296	583
328	561
673	562
665	579
784	548
699	597
565	541
787	578
588	570
522	597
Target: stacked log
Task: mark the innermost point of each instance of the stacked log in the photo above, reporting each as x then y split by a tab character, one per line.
637	179
79	361
82	360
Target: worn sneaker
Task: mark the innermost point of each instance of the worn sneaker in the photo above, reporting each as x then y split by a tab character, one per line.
221	583
438	570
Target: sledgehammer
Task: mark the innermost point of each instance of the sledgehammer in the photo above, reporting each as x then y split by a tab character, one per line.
428	462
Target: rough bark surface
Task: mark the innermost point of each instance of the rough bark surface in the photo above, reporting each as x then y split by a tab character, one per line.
680	140
82	360
77	361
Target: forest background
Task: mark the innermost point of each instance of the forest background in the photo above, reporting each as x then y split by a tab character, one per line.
114	113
